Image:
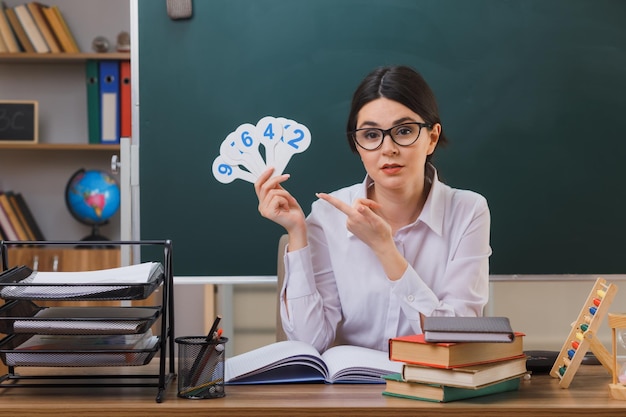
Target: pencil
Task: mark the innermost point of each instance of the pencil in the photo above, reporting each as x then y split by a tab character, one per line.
196	368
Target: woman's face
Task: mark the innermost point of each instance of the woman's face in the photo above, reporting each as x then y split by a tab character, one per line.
393	166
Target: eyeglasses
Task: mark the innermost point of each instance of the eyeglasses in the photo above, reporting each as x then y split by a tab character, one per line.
405	134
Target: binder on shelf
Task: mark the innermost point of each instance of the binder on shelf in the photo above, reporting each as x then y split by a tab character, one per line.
125	100
36	10
31	29
93	100
109	102
7	33
25	44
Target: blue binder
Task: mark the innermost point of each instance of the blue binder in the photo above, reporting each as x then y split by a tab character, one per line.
109	102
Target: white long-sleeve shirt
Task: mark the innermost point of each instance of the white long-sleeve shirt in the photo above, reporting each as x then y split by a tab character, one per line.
338	293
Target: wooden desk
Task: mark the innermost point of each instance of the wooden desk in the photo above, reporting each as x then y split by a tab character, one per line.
541	396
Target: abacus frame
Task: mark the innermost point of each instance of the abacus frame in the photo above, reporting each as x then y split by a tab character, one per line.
589	340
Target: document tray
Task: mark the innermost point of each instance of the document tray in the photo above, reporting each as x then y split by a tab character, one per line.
75	358
15	284
22	316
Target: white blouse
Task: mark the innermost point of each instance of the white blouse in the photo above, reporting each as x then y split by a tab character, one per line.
338	293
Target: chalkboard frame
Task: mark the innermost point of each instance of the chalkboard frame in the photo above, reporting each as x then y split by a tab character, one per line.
31	135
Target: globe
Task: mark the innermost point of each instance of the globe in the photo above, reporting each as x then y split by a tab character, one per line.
92	197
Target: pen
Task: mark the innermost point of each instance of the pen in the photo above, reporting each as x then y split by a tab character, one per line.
196	368
216	323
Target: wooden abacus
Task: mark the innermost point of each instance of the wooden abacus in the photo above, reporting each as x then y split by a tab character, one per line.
582	336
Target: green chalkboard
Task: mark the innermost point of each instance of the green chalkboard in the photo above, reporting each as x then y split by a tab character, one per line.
532	95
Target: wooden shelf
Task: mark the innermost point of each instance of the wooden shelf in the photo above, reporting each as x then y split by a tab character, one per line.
59	147
27	57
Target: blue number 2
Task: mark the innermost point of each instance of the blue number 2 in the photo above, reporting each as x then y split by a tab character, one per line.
294	142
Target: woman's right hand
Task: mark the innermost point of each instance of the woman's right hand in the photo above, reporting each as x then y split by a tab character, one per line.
276	204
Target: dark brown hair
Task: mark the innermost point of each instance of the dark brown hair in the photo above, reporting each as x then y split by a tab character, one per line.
399	83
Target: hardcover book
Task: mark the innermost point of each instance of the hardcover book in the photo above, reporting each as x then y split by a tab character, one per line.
473	376
396	387
18	29
416	350
36	10
31	29
468	329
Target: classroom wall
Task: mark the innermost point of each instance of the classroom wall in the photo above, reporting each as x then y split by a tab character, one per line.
531	96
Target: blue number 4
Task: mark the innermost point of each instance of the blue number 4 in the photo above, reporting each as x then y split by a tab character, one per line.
269	132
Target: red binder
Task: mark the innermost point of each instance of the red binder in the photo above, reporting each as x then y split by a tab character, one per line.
125	100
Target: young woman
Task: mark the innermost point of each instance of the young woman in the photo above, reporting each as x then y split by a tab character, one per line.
372	259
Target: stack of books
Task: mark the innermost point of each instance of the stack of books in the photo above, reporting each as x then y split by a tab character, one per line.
16	219
451	370
35	27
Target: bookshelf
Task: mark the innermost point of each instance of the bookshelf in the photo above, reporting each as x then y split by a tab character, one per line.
40	171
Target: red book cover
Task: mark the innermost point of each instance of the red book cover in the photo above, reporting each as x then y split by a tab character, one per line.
416	350
125	100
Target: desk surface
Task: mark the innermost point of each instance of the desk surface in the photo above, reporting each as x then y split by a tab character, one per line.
540	396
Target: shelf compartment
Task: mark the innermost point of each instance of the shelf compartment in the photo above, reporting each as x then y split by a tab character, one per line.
74	357
25	317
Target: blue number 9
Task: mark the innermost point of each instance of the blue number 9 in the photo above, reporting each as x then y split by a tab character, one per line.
225	169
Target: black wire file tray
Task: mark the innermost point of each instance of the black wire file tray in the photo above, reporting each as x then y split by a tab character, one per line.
89	335
18	284
24	316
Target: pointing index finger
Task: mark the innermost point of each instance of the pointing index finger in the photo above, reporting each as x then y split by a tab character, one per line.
340	205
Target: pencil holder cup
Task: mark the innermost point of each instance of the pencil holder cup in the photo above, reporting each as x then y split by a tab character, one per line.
201	367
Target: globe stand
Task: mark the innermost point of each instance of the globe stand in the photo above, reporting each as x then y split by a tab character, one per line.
95	236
